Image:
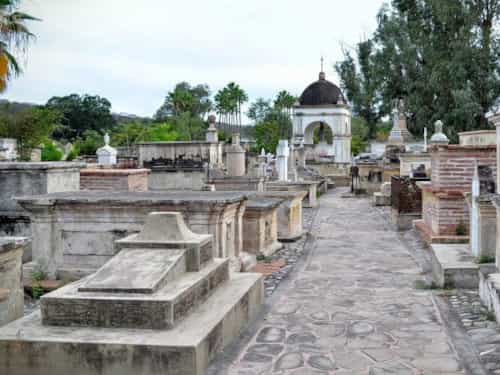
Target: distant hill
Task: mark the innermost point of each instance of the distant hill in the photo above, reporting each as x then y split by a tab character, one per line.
124	118
9	107
13	107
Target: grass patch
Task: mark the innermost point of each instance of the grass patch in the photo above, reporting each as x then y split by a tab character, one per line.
483	259
490	316
423	285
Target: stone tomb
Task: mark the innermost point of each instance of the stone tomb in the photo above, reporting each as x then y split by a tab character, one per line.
310	187
11	289
163	305
74	233
483	216
260	226
115	179
444	208
20	178
289	212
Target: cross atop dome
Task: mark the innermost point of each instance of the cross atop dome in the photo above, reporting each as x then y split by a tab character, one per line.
322	74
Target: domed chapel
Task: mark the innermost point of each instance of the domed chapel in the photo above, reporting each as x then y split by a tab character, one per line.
321	105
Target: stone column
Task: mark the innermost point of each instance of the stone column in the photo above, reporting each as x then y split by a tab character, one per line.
474	214
211	134
262	164
495	120
235	158
282	153
302	156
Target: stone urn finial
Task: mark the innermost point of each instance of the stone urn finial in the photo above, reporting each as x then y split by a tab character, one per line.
439	137
106	155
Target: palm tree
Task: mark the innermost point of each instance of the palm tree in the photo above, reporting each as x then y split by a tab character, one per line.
14	35
284	102
238	97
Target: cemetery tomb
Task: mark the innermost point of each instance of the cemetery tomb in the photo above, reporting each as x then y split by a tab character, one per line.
163	305
11	288
74	233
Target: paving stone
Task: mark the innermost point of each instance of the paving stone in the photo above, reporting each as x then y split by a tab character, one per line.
289	361
301	338
321	362
272	349
271	334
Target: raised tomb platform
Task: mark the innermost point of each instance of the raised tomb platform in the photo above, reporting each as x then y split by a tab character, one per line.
444	208
289	212
74	233
260	229
163	305
11	288
310	187
29	178
179	165
115	179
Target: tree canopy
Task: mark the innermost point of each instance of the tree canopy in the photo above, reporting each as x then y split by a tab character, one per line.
82	113
441	57
31	127
185	99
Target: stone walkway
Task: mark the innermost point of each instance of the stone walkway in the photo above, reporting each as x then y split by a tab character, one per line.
351	308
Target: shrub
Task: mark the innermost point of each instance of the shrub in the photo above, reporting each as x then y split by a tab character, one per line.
50	152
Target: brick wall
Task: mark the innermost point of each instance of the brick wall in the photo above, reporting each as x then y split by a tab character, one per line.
453	165
444	205
114	179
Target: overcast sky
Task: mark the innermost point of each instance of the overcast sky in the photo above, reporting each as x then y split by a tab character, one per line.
133	52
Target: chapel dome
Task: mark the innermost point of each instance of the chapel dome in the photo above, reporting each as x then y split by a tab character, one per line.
322	92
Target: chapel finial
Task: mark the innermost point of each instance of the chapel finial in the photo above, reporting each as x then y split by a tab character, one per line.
322	73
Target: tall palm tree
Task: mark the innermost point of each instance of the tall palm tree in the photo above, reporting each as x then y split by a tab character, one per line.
284	102
238	98
14	36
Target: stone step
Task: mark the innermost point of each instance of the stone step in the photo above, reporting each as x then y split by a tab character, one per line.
185	349
162	309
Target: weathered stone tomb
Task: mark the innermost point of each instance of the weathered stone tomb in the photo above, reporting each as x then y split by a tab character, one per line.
20	178
445	212
74	233
11	288
162	305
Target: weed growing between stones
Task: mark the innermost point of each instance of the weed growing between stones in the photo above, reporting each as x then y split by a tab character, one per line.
423	285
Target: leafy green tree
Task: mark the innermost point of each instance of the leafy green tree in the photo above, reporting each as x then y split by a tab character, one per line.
82	113
441	57
359	82
360	133
259	109
14	38
267	135
30	127
185	99
88	142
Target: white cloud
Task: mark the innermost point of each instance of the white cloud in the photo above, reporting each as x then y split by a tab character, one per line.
133	54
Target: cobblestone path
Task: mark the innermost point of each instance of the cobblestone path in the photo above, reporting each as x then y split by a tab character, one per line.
350	308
